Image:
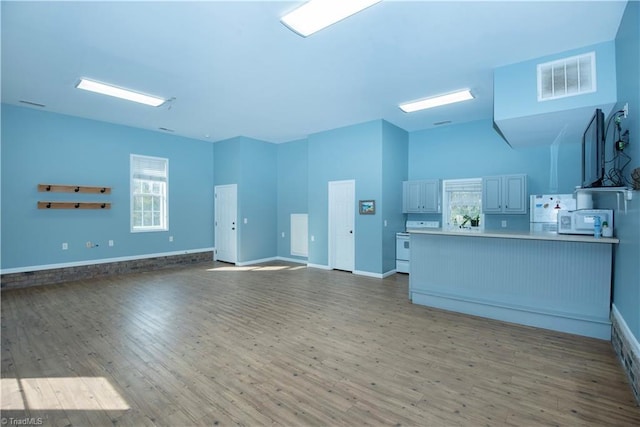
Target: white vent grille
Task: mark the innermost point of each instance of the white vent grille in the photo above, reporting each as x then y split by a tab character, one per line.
571	76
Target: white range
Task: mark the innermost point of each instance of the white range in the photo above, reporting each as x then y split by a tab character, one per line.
403	244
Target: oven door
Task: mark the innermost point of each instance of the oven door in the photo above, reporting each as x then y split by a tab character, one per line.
402	253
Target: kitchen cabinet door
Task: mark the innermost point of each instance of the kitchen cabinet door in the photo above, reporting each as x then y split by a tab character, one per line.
515	194
431	191
505	194
412	196
492	194
421	196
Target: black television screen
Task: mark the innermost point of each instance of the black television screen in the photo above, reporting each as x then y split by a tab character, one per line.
593	152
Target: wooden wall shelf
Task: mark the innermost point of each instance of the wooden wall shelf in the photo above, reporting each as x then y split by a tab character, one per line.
55	188
74	205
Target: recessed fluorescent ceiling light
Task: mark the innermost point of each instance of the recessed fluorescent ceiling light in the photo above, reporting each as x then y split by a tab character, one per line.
315	15
119	92
436	101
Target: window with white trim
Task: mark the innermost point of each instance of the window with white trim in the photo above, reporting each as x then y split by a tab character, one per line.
462	203
149	191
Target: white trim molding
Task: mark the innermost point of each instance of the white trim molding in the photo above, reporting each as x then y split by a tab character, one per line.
256	261
374	275
320	266
293	260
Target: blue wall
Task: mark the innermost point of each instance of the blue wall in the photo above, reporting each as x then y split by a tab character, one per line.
395	155
277	180
251	164
473	150
292	190
516	94
525	121
626	288
353	152
42	147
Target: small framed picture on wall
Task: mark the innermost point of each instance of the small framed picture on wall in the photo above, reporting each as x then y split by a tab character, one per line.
367	207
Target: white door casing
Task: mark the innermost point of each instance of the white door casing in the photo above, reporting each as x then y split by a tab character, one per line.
226	222
341	237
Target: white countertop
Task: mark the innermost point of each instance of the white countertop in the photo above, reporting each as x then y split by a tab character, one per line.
527	235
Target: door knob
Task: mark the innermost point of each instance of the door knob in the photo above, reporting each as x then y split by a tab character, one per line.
350	231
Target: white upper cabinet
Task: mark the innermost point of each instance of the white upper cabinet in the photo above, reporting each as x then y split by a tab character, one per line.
421	196
505	194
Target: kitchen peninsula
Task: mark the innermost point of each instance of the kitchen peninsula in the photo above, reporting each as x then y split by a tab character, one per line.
547	280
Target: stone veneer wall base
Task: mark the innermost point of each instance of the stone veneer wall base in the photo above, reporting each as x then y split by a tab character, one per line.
68	274
628	351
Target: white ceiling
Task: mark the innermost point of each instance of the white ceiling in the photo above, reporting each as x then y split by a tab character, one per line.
234	69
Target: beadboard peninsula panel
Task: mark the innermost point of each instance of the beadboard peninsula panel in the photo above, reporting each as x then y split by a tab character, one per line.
560	285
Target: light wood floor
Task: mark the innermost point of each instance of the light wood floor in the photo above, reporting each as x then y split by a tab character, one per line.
215	345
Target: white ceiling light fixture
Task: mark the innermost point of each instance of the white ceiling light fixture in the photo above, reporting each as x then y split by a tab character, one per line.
118	92
315	15
436	101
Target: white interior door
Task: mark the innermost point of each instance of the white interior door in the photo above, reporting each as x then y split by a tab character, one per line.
226	222
341	225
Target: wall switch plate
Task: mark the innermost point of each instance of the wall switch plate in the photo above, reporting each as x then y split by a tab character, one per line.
65	246
171	238
625	110
313	238
283	234
110	242
385	222
504	223
245	220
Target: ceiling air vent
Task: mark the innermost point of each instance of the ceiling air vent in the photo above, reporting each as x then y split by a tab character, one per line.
571	76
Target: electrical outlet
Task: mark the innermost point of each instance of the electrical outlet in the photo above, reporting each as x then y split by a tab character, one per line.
625	110
89	245
65	246
171	238
385	222
504	223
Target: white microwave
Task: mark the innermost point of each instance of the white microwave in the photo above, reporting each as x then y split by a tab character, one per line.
581	221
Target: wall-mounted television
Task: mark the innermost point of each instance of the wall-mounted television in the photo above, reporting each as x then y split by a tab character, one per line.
593	152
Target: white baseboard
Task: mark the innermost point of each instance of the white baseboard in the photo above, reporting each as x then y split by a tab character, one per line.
624	329
320	266
311	265
297	261
256	261
275	258
389	273
375	275
100	261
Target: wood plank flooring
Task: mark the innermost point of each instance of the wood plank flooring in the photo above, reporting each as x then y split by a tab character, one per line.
281	344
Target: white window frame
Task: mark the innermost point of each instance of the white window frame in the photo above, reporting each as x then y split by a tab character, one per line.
152	175
450	185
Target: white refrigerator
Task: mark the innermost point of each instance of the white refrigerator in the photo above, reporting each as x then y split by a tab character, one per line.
544	210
